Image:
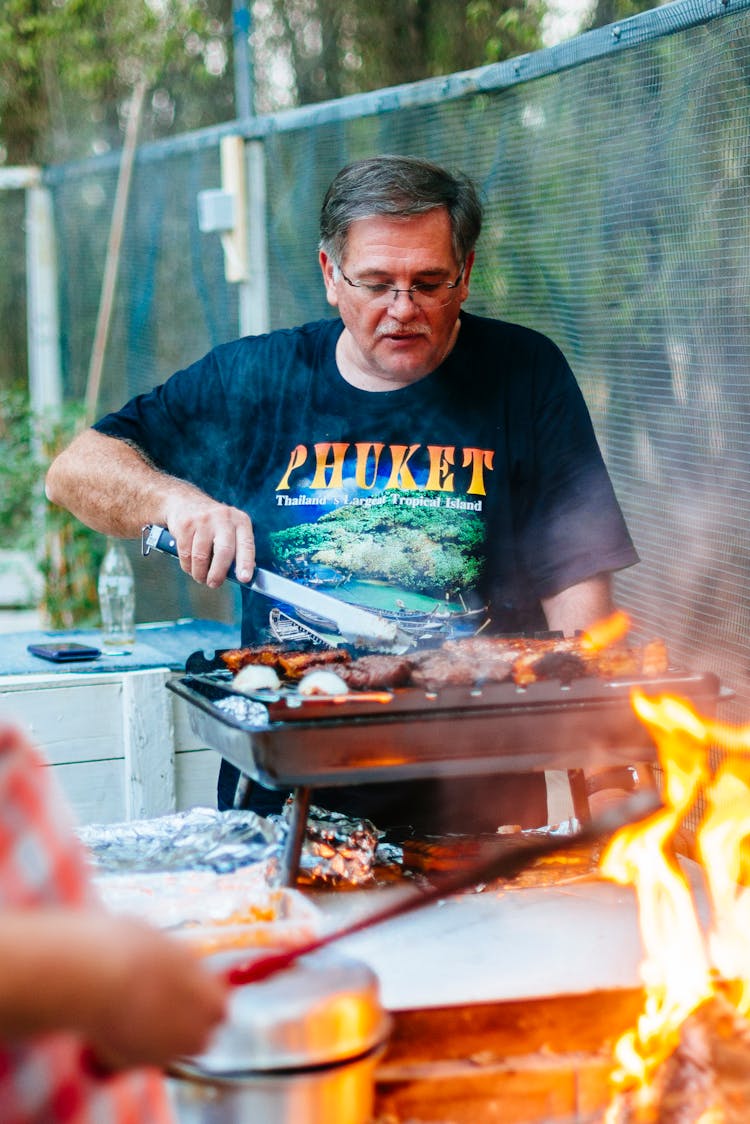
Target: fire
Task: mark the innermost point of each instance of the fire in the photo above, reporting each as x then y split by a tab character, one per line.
685	966
606	632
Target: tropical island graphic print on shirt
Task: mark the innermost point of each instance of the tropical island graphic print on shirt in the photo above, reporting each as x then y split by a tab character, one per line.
366	525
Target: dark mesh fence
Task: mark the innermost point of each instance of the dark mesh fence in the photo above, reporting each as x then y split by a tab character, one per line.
173	302
13	357
172	305
615	171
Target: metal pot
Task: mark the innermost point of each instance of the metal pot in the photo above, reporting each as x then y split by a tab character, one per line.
298	1048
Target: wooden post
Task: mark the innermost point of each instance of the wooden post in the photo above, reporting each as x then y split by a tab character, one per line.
112	261
148	729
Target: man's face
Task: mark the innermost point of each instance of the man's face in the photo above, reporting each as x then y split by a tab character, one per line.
393	343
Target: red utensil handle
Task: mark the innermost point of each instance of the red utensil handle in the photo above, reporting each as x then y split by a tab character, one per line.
256	970
643	803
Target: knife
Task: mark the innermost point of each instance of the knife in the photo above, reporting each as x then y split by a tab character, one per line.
357	626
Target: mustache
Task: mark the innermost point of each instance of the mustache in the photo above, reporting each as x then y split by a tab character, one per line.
393	328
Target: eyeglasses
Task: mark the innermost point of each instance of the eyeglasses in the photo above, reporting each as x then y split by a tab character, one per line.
424	294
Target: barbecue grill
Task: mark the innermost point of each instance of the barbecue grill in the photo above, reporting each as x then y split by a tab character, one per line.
290	742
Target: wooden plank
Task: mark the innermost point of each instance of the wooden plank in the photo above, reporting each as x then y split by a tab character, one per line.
196	765
148	736
128	723
196	772
94	789
41	681
555	1025
20	176
69	722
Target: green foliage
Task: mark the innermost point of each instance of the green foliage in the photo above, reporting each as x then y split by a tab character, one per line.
70	566
604	12
68	69
71	552
18	471
339	47
517	28
419	548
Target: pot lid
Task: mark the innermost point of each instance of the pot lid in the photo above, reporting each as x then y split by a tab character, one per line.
324	1008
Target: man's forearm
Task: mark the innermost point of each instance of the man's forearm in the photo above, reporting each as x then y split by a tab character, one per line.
110	486
579	606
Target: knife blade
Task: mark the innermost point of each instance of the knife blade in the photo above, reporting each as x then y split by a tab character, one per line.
357	626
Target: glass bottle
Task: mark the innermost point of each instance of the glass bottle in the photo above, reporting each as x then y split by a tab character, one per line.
116	588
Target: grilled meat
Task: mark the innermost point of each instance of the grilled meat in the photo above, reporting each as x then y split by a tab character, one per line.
654	658
556	663
464	663
296	664
469	662
290	663
438	854
267	655
621	661
369	673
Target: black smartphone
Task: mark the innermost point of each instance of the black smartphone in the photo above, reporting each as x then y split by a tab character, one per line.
64	652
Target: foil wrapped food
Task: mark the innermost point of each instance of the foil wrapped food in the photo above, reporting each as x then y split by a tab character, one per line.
336	850
199	839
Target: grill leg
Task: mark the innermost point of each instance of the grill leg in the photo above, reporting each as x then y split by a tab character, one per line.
579	795
293	846
242	792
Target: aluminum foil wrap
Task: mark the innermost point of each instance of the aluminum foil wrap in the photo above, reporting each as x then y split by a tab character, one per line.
200	839
244	710
337	849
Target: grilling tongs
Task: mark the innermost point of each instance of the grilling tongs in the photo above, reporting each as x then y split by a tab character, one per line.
500	864
357	626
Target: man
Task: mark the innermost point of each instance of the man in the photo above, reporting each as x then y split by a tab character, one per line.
88	1001
419	448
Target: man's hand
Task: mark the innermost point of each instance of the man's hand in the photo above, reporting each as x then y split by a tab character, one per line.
111	487
210	536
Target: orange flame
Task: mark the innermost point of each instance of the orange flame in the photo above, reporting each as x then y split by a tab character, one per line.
643	855
640	856
605	632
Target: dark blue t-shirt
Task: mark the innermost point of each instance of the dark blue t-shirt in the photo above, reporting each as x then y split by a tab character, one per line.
480	485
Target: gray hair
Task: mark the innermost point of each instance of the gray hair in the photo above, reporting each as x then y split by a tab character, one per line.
398	185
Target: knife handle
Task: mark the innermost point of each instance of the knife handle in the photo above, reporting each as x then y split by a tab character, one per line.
154	537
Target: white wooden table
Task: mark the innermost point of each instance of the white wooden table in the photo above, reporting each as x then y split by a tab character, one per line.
119	741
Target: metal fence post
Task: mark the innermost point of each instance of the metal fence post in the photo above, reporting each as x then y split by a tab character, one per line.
254	316
43	324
